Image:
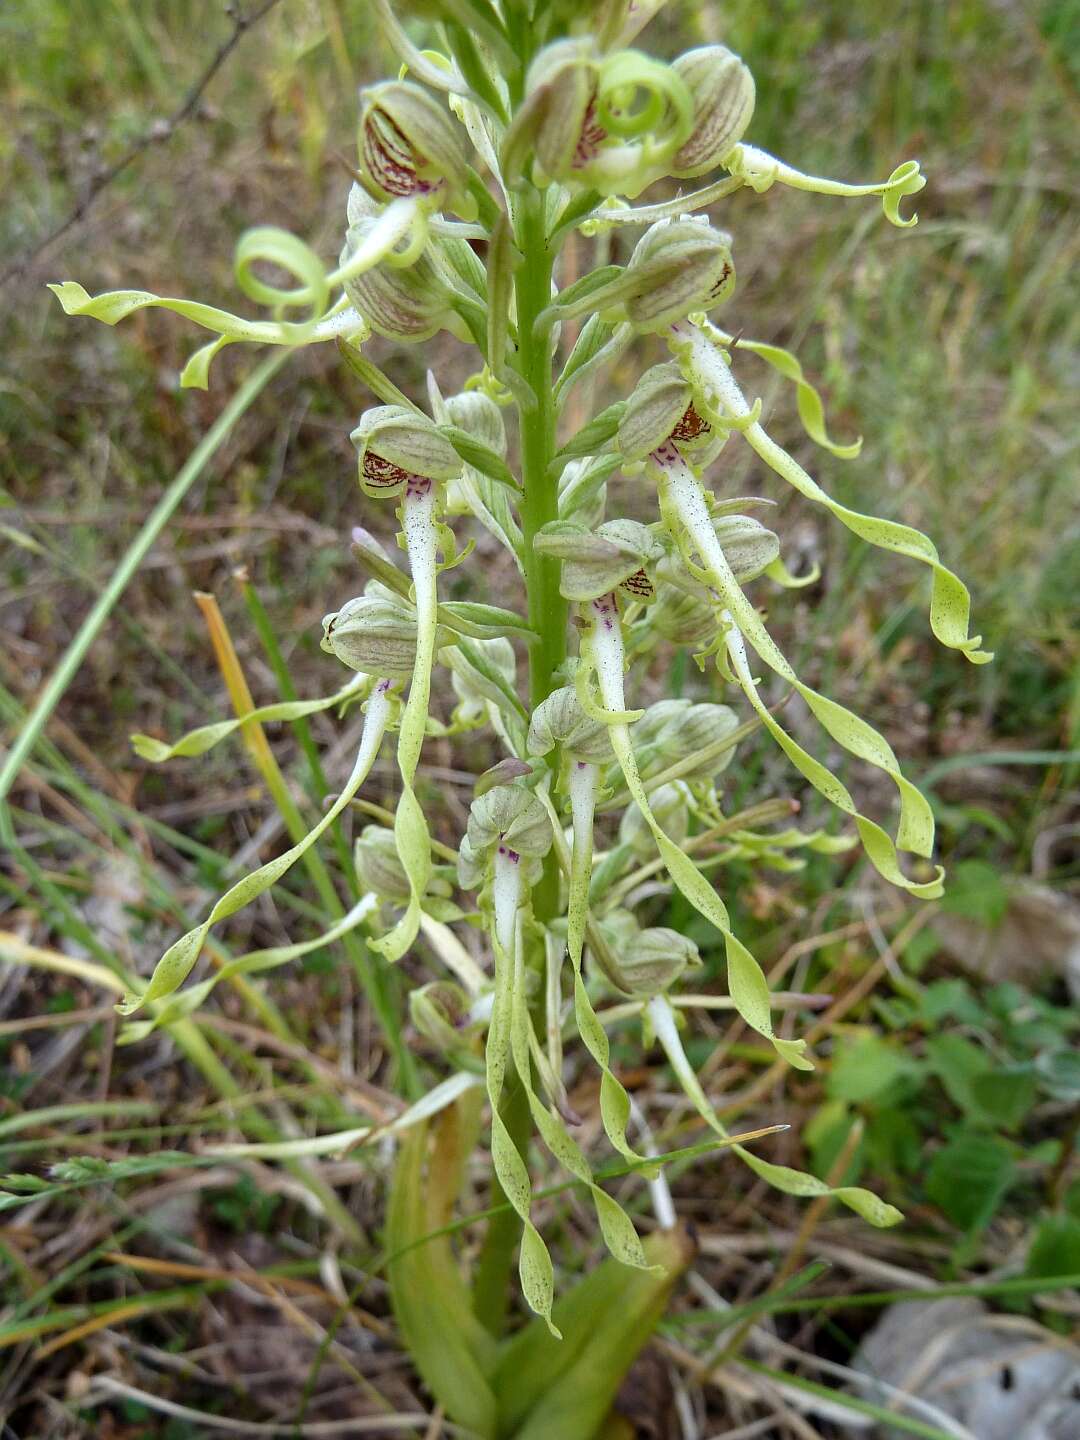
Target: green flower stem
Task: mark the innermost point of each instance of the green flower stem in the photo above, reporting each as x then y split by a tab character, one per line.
548	617
547	608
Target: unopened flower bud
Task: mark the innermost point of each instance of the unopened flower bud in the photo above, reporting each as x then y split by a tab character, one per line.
675	730
660	409
510	816
654	959
479	416
722	90
375	633
682	616
503	772
472	686
560	720
595	562
408	143
749	547
378	865
470	864
439	1011
680	266
660	721
669	806
558	112
609	122
394	443
404	303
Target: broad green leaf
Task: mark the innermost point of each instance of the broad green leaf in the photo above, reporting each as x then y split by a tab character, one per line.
968	1178
451	1350
547	1390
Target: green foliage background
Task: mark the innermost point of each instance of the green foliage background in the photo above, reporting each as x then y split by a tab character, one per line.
949	348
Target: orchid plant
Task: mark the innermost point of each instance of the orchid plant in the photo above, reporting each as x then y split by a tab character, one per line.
525	123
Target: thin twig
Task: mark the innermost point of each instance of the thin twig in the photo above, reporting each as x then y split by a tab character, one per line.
158	133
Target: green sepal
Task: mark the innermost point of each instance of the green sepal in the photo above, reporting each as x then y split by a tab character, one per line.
591	437
547	1389
480	456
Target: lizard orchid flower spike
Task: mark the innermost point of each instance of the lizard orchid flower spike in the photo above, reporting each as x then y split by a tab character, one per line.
475	165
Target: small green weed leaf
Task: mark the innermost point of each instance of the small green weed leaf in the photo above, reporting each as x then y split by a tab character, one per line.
243	1207
1005	1095
866	1070
961	1065
893	1141
1058	1073
1055	1246
950	1000
977	892
969	1177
